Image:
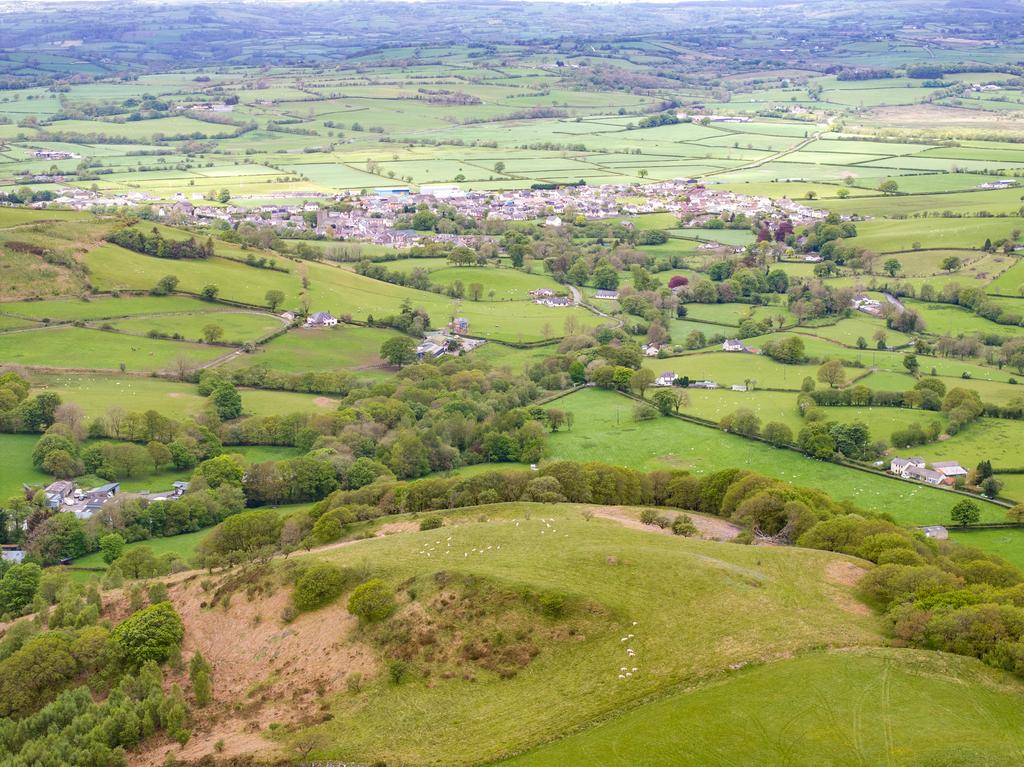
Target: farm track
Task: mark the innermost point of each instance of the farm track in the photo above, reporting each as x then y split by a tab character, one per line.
770	158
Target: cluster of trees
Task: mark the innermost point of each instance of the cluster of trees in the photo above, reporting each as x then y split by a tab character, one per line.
824	440
788	350
154	244
936	595
260	376
414	322
18	411
962	406
429	418
148	441
48	714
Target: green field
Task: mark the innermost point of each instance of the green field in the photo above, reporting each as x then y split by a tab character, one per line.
507	284
822	710
886	236
344	347
1008	543
113	267
604	431
98	394
16	469
100	308
66	347
236	327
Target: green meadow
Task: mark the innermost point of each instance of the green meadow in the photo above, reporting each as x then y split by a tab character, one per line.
604	430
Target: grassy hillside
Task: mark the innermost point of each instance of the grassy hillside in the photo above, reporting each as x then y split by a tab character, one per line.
822	710
754	605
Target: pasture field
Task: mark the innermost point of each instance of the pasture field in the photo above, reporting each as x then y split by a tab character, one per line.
97	394
994	439
66	347
344	347
101	308
891	235
16	468
500	356
605	431
237	327
734	368
849	330
346	293
952	320
551	547
1010	282
836	708
507	284
734	314
114	268
1006	543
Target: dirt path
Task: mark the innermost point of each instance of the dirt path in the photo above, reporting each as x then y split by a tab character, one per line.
710	528
771	157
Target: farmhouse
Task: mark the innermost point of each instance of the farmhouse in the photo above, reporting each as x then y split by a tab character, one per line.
321	320
734	345
1002	183
666	379
53	154
899	466
924	475
556	301
606	295
11	553
867	305
542	293
57	492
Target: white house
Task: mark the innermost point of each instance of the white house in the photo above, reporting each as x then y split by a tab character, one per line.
606	295
900	466
734	345
666	379
321	320
650	350
11	554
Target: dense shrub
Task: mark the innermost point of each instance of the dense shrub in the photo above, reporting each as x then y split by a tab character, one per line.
318	586
372	601
151	634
